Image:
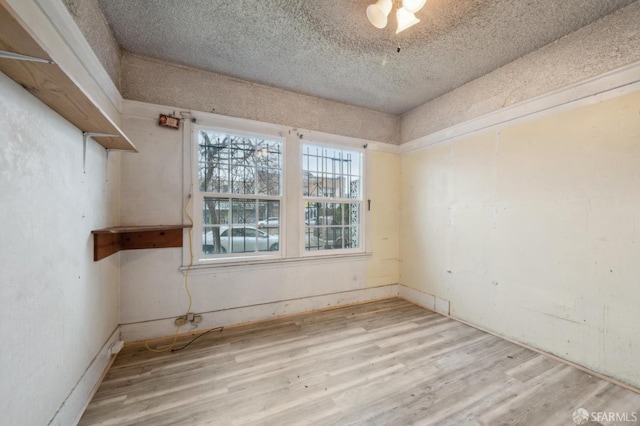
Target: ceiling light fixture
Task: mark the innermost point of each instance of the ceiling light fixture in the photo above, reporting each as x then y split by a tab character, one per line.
413	5
378	13
406	19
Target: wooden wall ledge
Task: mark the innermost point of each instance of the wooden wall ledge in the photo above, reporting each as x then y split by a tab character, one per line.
111	240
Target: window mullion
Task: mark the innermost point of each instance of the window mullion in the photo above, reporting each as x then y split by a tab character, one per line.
333	200
241	196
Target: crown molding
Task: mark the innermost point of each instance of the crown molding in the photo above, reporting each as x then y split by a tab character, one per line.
588	92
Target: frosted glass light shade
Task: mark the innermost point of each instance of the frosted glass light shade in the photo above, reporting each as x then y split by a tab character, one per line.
413	5
378	12
406	19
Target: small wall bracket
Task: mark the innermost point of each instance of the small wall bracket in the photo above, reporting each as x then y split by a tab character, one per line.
85	137
107	163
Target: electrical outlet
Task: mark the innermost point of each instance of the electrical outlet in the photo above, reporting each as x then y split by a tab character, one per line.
190	317
116	347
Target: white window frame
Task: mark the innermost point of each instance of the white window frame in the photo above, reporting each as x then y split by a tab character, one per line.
292	224
198	200
362	201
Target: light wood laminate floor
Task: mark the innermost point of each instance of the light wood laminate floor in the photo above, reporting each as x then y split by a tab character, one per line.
383	363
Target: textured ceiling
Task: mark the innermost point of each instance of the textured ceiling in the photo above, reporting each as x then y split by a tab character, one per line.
328	48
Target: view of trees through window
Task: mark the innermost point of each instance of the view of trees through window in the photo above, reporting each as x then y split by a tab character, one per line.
240	193
240	179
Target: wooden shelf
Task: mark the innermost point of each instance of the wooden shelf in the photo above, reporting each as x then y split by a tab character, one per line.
49	83
111	240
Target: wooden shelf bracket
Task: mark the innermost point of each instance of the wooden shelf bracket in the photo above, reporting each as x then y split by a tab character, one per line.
85	138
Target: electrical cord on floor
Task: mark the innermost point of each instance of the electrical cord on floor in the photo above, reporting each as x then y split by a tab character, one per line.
186	285
197	337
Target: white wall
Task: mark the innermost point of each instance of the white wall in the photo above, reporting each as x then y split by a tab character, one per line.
58	306
530	230
152	288
384	218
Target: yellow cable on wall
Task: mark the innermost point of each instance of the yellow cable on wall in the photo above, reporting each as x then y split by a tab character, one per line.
186	283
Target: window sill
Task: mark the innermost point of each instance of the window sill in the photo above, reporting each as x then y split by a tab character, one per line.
257	263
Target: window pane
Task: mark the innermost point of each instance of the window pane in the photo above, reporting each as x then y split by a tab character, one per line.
213	150
242	181
215	211
215	240
331	172
351	214
247	234
311	239
269	215
331	226
243	211
239	164
244	165
269	181
268	162
335	175
269	241
242	241
352	234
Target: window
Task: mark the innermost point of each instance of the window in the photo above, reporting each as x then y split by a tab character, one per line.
332	197
262	193
239	181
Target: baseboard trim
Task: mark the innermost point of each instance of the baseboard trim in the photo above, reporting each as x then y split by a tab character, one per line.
78	399
161	328
554	357
429	302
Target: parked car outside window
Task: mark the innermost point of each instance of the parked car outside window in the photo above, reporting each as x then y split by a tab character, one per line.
272	222
240	239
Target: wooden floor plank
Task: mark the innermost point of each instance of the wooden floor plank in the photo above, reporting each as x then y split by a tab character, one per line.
382	363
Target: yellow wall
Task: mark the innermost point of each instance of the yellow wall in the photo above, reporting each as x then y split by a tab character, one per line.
384	219
532	230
